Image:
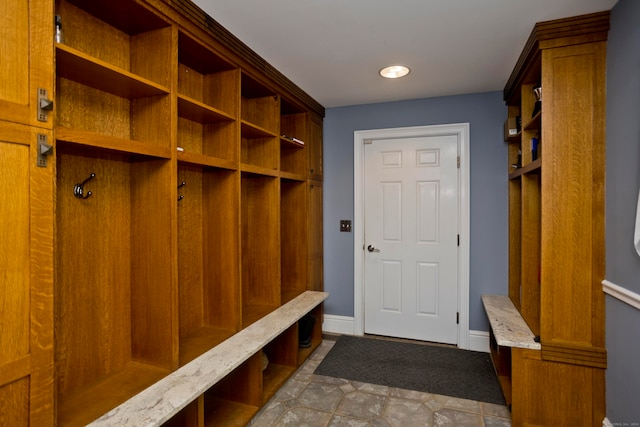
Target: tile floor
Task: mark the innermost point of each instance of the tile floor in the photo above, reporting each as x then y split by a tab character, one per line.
311	400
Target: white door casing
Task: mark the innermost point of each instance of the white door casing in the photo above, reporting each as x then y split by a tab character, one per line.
411	228
459	133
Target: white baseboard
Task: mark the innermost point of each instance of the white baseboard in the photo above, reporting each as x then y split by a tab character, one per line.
479	341
606	423
338	324
344	325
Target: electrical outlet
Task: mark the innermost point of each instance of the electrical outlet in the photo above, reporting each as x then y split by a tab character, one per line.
345	226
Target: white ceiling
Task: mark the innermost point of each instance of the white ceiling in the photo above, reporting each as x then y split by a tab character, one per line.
333	49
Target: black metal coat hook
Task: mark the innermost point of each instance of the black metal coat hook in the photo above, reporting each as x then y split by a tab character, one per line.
78	189
182	184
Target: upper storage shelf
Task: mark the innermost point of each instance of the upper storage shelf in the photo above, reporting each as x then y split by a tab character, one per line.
114	95
208	85
139	41
74	65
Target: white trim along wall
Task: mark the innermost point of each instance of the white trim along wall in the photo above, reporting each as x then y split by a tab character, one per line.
626	296
623	294
344	325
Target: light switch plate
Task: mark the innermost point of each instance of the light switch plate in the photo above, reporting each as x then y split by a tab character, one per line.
345	226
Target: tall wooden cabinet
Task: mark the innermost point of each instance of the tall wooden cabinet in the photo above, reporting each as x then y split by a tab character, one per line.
26	215
556	223
176	206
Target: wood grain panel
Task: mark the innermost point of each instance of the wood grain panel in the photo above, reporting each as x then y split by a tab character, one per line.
221	228
26	274
14	257
88	34
14	403
260	240
154	55
85	108
314	147
515	242
263	112
530	252
293	235
26	49
153	310
93	270
314	218
190	250
573	261
222	90
14	51
549	393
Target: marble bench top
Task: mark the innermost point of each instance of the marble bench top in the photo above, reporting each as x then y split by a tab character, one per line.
508	326
161	401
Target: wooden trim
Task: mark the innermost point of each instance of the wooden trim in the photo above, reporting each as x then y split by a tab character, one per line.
231	42
575	354
15	369
558	32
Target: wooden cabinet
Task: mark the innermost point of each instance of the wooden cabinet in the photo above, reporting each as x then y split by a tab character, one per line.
26	215
556	222
172	212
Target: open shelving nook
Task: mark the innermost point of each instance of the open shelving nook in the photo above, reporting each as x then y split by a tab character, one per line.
525	201
208	258
260	246
113	336
208	103
260	118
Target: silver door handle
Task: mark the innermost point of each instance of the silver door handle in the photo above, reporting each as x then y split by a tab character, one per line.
372	249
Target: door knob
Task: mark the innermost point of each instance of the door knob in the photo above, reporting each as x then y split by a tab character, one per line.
372	249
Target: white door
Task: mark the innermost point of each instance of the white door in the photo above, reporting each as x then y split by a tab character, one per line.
411	237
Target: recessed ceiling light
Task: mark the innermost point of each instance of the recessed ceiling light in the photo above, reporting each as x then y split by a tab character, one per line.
394	71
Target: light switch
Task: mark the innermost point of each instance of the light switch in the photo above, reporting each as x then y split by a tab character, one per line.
345	226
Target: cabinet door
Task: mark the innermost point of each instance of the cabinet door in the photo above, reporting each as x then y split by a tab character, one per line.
26	279
26	216
314	271
26	49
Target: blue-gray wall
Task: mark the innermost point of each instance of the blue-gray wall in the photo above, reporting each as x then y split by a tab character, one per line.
485	113
623	183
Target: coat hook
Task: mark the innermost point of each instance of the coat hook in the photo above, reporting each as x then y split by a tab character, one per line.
78	189
182	184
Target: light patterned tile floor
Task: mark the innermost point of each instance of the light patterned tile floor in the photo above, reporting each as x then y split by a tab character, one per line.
309	400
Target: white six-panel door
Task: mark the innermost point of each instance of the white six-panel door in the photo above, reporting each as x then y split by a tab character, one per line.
411	237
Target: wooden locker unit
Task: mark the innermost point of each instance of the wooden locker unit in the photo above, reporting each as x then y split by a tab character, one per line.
170	215
556	225
26	216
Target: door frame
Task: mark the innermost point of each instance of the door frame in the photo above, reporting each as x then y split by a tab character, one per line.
461	130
